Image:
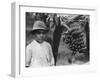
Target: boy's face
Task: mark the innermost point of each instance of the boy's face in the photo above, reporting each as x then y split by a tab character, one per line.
40	36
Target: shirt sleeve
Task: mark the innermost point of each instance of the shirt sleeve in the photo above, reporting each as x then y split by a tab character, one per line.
51	56
28	56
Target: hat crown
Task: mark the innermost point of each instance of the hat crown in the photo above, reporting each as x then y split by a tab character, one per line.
39	25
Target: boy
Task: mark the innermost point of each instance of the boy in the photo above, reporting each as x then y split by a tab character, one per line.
39	52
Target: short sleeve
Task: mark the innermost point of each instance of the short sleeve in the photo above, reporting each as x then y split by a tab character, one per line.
28	55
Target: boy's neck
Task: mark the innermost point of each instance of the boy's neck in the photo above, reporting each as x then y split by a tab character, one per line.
38	41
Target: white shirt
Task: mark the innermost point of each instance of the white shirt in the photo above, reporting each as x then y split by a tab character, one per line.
39	54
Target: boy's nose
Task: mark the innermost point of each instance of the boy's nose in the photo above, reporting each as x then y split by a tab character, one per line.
41	34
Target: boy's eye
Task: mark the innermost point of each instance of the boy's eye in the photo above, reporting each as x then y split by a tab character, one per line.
40	32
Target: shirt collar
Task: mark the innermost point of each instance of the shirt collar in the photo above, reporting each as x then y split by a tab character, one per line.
38	43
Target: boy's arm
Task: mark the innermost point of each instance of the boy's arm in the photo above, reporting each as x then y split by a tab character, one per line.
28	56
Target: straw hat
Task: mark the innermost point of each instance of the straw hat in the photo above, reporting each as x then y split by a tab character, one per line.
39	25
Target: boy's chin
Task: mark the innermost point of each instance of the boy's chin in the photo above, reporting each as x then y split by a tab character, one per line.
40	41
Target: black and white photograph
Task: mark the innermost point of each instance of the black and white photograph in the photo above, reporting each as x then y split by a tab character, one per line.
56	39
52	40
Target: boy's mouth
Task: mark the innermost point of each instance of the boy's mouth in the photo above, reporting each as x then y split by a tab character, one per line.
40	40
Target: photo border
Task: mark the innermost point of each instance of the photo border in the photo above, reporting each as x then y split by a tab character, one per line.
16	54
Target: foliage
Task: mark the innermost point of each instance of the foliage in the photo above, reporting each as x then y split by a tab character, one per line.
74	40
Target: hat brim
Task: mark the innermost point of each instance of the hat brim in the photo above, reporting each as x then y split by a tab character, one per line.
35	31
